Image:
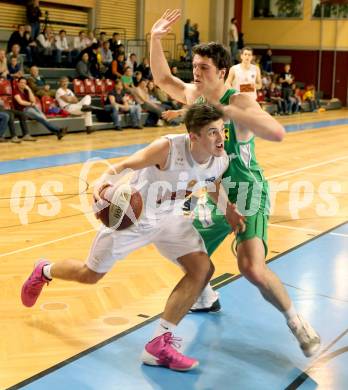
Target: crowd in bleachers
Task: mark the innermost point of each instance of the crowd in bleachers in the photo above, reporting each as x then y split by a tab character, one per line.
283	91
103	71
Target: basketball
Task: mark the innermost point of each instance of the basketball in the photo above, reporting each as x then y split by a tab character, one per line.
120	207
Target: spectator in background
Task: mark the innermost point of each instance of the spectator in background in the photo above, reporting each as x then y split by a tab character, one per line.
80	43
233	39
14	70
145	70
4	118
15	52
91	39
3	64
127	78
115	42
195	35
188	38
141	95
33	17
286	79
24	100
46	45
132	62
106	54
266	62
31	46
83	68
294	101
38	84
94	66
17	38
118	66
102	38
12	114
117	102
63	48
310	97
69	102
274	95
174	70
137	77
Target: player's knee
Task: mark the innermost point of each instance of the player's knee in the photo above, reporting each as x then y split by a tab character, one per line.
255	274
88	276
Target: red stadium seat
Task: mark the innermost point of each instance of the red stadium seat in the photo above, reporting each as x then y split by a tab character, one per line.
5	87
7	101
109	85
99	87
46	102
79	87
89	87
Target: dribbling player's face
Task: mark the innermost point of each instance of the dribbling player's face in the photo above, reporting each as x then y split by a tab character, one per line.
205	73
211	139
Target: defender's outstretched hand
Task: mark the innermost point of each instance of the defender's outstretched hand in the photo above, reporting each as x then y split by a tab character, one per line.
162	26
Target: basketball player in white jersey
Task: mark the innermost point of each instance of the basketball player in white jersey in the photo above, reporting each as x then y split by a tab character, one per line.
166	172
245	77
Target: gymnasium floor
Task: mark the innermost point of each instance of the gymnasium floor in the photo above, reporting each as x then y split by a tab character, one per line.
90	337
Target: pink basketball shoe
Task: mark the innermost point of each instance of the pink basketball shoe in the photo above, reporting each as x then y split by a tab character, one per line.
161	352
32	287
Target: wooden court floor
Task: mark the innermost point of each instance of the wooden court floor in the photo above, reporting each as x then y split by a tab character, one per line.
44	213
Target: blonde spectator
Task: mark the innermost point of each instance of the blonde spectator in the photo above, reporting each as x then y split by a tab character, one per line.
3	64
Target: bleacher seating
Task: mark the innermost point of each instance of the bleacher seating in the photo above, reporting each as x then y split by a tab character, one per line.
79	87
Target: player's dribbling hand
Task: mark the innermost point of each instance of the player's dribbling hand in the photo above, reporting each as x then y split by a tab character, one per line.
98	189
162	26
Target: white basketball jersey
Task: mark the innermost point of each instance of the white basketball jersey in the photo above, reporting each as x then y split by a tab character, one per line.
245	77
164	191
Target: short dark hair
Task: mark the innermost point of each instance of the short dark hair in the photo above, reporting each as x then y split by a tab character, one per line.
199	115
219	54
247	48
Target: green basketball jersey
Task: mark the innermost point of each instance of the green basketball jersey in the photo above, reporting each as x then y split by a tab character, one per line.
245	185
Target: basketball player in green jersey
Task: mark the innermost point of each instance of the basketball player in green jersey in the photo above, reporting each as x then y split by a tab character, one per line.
244	178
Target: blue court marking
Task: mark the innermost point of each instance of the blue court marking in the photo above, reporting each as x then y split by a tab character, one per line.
56	160
247	346
80	157
316	125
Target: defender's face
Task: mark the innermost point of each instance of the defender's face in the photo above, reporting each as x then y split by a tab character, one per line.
211	138
205	73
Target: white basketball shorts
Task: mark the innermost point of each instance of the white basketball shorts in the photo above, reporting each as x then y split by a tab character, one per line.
173	235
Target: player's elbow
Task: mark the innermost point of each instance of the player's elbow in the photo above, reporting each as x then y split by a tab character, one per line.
278	133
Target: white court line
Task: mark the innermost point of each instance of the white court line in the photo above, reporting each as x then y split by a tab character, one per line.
307	167
88	231
47	242
295	228
306	230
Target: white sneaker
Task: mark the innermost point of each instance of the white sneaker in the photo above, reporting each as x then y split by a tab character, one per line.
306	336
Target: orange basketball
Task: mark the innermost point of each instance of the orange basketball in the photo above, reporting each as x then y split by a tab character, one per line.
121	206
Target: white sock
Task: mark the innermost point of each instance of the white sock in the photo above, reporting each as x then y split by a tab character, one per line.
163	327
291	313
46	271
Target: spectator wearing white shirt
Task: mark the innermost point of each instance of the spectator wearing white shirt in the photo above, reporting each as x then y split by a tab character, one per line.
80	43
46	43
63	48
69	102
